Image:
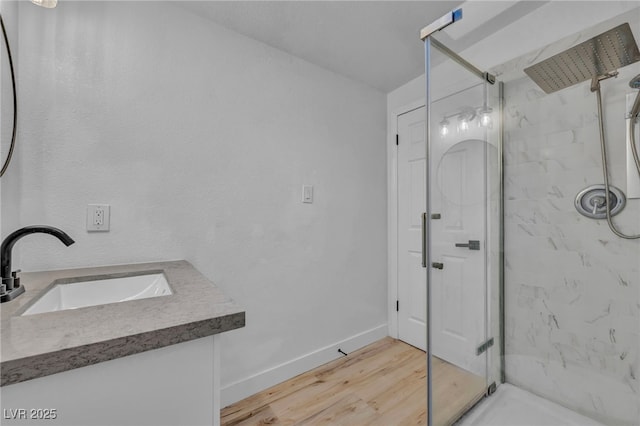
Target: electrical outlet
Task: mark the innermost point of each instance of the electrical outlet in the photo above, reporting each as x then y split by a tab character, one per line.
98	217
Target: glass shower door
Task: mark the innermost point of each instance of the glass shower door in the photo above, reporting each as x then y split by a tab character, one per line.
462	233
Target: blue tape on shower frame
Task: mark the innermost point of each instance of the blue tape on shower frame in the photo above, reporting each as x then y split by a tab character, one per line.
441	23
456	15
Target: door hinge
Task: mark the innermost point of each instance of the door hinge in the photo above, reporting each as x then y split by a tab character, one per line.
397	306
483	347
397	140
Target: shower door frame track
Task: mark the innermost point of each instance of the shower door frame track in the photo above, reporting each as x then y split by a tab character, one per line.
501	288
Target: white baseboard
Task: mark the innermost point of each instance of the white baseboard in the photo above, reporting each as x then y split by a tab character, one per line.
243	388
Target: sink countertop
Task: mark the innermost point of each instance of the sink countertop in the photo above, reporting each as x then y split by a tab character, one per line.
38	345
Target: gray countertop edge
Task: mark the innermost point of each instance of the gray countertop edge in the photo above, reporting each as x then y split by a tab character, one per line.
23	369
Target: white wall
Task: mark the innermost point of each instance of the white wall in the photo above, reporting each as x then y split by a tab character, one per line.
200	140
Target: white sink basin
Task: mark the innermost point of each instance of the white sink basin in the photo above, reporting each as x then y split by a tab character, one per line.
94	291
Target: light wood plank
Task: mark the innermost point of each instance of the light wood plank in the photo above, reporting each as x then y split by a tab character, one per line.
383	384
348	411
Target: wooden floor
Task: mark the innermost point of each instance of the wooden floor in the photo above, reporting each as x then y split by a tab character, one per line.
381	384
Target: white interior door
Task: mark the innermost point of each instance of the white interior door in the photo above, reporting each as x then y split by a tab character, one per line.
412	190
458	186
458	195
458	289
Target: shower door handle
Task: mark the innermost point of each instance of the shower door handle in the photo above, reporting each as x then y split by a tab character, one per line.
471	245
424	239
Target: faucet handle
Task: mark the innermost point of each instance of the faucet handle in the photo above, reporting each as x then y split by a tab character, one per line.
8	284
16	277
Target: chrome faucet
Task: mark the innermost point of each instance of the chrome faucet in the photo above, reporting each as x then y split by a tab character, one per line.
10	287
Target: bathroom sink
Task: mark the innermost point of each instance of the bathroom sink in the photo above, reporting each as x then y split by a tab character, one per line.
92	291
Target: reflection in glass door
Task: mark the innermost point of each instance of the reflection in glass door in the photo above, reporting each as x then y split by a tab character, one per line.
462	233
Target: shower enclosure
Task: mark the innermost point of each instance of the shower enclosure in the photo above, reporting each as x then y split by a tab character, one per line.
521	287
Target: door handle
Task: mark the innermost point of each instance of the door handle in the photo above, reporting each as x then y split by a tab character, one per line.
471	245
438	265
424	240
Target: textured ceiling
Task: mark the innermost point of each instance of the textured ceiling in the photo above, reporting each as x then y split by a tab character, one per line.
375	42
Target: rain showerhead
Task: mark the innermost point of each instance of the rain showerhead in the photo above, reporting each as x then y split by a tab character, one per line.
635	82
593	58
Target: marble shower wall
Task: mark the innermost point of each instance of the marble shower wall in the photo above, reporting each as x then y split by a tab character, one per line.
572	288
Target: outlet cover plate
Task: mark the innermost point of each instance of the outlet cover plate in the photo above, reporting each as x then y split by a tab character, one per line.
98	217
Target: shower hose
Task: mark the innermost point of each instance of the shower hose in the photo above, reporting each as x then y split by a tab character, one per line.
603	149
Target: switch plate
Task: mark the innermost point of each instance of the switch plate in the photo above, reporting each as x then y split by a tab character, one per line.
98	217
307	194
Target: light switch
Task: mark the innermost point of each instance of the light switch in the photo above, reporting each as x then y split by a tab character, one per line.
307	193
